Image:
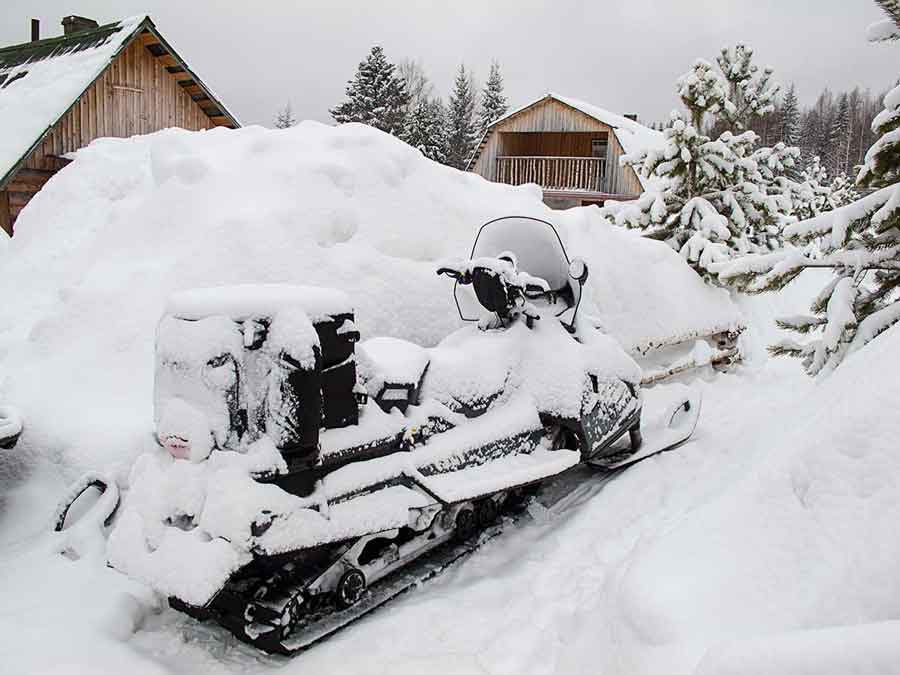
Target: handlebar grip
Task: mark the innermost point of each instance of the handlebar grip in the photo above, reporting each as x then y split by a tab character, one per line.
454	274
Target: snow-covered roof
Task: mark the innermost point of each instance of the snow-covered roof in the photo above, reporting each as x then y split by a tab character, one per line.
631	135
41	80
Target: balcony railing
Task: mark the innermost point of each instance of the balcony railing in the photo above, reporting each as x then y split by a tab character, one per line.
554	173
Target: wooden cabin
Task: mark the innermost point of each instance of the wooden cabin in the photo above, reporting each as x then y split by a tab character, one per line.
59	94
568	147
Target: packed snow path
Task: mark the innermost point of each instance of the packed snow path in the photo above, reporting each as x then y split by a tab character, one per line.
552	595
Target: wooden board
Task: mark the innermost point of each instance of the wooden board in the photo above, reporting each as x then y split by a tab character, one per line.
5	216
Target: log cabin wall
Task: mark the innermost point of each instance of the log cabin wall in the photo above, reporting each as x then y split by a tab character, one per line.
134	95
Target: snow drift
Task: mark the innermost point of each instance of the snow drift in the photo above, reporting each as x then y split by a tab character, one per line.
805	540
99	249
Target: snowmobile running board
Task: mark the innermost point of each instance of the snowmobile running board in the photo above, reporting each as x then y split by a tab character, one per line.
677	427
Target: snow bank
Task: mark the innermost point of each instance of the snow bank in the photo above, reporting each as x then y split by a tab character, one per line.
99	249
869	649
806	539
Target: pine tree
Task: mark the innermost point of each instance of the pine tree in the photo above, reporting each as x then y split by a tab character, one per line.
861	244
749	95
285	117
493	102
713	202
426	129
790	118
376	96
461	120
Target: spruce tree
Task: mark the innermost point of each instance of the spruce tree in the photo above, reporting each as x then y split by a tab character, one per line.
493	102
860	243
790	118
376	96
285	117
461	120
426	129
839	138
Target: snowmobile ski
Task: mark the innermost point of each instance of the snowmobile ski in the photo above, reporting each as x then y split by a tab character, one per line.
673	428
10	427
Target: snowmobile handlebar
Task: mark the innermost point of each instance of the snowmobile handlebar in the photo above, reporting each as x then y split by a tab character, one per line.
461	277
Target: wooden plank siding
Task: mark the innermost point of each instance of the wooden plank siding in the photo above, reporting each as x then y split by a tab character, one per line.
134	95
554	124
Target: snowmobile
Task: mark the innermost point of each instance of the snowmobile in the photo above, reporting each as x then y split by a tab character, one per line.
10	427
303	477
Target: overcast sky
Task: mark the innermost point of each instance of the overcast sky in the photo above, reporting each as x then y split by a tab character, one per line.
623	55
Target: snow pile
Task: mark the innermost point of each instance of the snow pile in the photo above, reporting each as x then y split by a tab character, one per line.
98	250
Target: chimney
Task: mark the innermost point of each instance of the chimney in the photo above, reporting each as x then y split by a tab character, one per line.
631	116
76	24
35	30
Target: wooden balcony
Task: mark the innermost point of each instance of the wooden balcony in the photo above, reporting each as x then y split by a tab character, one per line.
587	174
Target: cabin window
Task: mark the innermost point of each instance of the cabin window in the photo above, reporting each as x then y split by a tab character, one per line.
598	147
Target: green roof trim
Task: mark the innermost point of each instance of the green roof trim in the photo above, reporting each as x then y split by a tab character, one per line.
29	52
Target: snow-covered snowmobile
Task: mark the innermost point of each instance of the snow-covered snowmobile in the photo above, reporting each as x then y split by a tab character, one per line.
10	427
304	478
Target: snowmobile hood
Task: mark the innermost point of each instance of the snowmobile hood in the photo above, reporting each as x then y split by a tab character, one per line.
546	362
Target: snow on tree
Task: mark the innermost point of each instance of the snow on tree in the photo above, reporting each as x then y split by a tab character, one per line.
712	200
790	118
376	95
860	243
462	132
841	192
493	102
285	117
814	193
426	129
887	29
749	94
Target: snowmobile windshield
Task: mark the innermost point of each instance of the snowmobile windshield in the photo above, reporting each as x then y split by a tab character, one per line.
536	246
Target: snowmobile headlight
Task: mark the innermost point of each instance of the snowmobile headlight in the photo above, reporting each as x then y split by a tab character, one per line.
578	270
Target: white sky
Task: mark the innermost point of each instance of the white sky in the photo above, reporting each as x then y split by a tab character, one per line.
623	55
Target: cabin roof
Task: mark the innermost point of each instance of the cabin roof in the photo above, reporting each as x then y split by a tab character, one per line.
632	136
41	80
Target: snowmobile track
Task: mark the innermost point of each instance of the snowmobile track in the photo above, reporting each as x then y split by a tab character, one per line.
388	589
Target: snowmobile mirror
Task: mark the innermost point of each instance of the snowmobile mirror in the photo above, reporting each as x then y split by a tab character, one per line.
578	270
